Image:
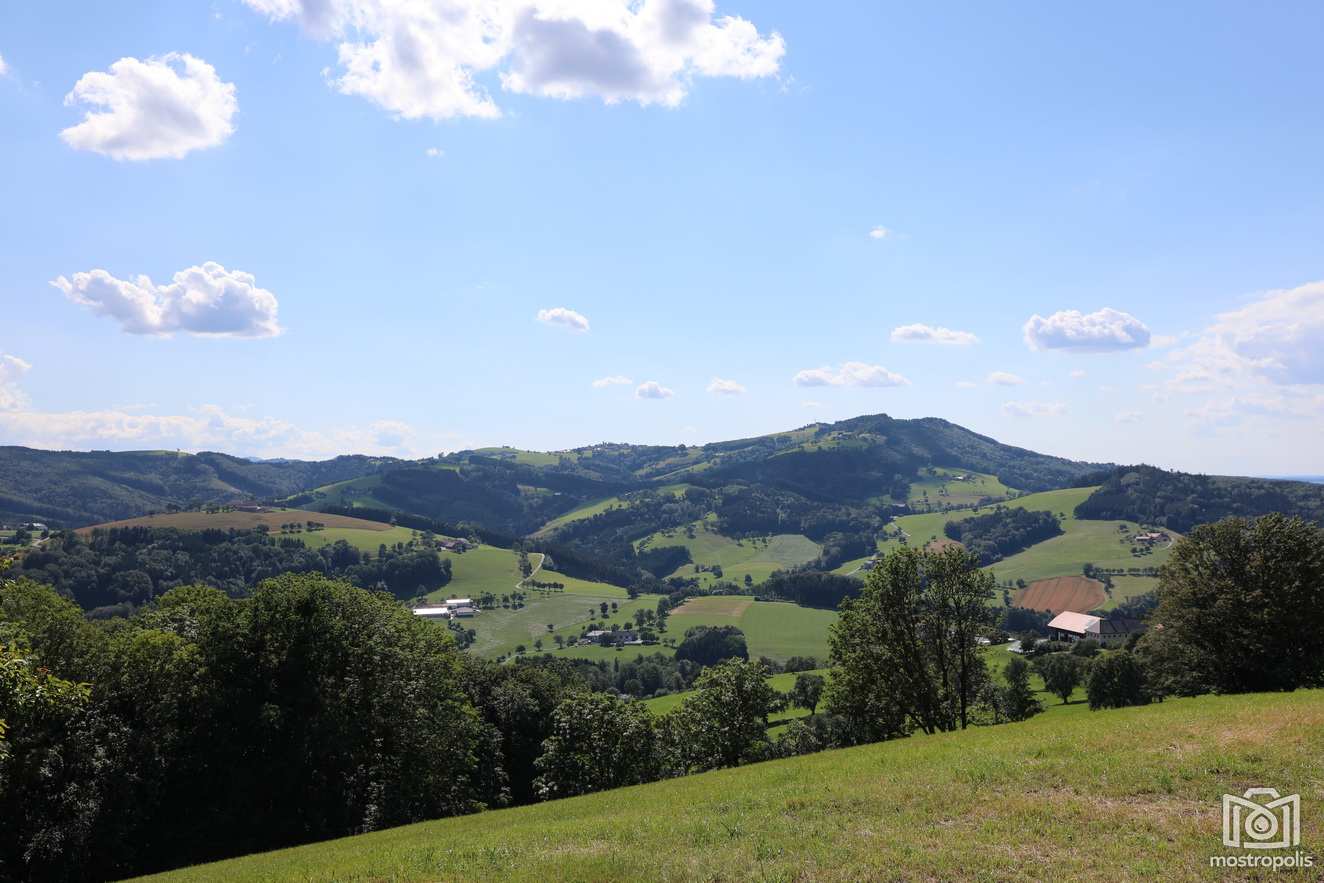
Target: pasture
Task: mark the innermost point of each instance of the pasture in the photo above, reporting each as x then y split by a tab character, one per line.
272	519
1130	794
944	488
1059	593
501	630
1105	544
756	557
588	510
776	629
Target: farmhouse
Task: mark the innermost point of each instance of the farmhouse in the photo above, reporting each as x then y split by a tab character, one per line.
1070	626
455	545
1153	536
449	609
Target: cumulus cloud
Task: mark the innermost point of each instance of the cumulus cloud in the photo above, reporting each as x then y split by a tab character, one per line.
1033	409
651	389
1078	374
723	387
154	109
879	233
850	374
434	153
424	58
4	66
920	333
1003	378
565	318
1278	337
1128	416
613	380
12	369
207	300
1107	330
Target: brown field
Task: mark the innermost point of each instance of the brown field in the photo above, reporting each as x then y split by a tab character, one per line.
272	518
721	605
1059	593
939	544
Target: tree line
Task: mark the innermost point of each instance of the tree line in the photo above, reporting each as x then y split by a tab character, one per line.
117	570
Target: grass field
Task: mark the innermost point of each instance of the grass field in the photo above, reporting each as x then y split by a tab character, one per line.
501	630
588	510
1132	794
271	518
775	629
1101	543
944	489
1060	593
757	557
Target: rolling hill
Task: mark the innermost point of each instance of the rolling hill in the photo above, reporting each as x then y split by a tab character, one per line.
73	489
1094	796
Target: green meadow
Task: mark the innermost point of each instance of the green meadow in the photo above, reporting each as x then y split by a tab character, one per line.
500	631
776	629
944	488
1131	794
756	557
1102	543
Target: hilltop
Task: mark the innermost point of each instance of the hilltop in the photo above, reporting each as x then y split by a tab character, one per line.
1127	794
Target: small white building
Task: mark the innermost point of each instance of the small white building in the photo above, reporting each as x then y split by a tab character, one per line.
439	612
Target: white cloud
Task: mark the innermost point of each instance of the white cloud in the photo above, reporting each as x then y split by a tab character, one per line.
566	318
424	58
4	66
12	368
879	233
207	300
919	333
1128	416
434	152
1033	409
1107	330
210	427
1231	410
1279	337
810	403
1078	374
850	374
651	389
155	109
1003	378
613	380
725	387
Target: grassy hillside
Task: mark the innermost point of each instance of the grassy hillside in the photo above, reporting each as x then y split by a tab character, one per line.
1103	796
1106	544
953	487
775	629
71	488
757	556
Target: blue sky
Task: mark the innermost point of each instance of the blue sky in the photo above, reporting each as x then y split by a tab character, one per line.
366	232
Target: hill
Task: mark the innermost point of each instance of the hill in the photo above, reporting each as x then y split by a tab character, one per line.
1180	501
73	489
1127	794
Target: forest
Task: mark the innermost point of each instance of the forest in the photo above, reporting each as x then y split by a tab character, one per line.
114	571
1002	532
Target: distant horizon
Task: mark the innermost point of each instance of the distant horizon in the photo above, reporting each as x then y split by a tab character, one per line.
280	238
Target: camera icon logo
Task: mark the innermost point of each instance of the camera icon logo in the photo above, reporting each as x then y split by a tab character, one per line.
1261	819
